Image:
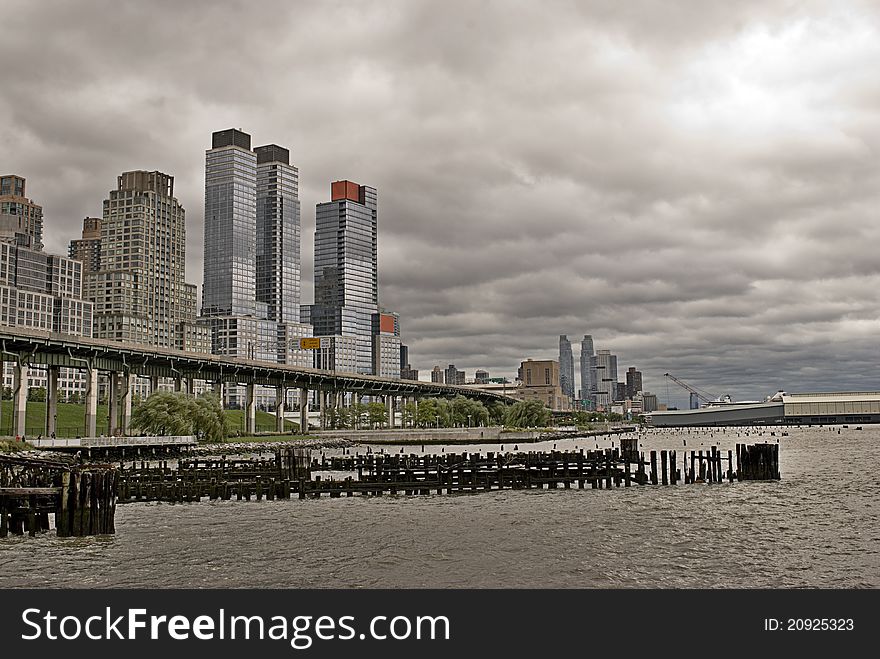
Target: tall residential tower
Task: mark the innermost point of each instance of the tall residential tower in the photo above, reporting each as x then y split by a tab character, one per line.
588	374
251	290
139	288
566	366
346	273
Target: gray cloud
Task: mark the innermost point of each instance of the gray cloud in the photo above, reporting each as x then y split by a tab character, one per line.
693	183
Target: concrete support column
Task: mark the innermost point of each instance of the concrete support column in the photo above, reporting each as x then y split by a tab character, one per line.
19	398
218	391
113	403
91	418
280	394
190	387
322	405
178	384
52	373
250	415
125	421
154	384
390	403
303	411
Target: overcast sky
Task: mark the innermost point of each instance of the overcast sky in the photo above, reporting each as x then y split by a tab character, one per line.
695	183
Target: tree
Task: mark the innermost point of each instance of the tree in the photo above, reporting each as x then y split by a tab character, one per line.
208	417
497	409
377	413
176	413
163	413
467	412
409	414
37	394
7	393
527	414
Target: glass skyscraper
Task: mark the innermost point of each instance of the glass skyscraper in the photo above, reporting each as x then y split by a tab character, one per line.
588	372
230	226
278	234
251	290
566	366
346	268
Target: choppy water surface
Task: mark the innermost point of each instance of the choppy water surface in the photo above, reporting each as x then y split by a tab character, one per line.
818	527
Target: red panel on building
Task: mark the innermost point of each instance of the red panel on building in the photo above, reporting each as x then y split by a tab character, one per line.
345	190
386	323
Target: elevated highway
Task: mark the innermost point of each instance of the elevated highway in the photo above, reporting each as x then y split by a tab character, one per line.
27	348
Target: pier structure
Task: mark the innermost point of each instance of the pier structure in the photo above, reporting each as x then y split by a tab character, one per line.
26	349
82	498
294	473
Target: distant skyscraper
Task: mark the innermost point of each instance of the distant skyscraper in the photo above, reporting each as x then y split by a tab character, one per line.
230	263
437	375
140	291
386	345
453	375
633	382
694	401
278	234
566	366
88	248
21	219
251	290
481	376
605	365
588	375
346	268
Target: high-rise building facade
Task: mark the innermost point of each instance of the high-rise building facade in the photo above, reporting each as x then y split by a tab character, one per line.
409	373
588	375
437	375
633	382
386	345
481	376
38	290
605	366
278	234
540	380
566	366
453	376
251	289
346	268
140	291
88	248
21	220
230	264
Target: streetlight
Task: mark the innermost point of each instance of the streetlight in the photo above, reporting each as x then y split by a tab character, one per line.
437	419
469	420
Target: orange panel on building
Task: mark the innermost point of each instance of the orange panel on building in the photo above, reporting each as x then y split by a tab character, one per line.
386	323
345	190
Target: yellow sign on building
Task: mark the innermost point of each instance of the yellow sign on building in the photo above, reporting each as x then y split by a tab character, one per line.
310	344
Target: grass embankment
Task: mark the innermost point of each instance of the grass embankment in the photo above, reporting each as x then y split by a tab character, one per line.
12	446
71	420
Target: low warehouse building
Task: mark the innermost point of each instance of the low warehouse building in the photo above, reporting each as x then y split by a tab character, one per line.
783	408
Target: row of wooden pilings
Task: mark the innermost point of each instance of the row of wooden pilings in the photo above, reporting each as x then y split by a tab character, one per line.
82	499
290	473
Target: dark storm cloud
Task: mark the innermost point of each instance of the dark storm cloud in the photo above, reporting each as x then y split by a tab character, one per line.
693	183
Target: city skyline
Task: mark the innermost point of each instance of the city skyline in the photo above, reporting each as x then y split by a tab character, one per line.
720	228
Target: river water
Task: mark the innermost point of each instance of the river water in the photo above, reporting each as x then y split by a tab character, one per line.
817	527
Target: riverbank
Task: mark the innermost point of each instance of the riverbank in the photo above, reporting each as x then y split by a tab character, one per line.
453	436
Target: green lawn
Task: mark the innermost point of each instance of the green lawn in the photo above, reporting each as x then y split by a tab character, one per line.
71	421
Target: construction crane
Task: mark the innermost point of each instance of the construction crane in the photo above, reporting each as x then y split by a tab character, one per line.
706	398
